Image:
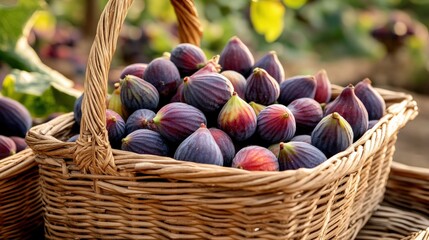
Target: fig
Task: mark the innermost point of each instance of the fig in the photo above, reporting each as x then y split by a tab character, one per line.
323	87
188	58
372	123
332	134
371	99
270	63
236	56
73	138
135	69
301	138
295	155
237	119
139	120
163	75
348	105
211	66
261	87
136	94
237	80
77	109
15	120
200	147
307	113
178	96
257	107
115	126
276	123
225	145
297	87
7	147
255	158
207	92
145	141
20	143
115	103
176	121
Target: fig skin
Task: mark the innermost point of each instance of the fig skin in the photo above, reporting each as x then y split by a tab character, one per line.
257	107
255	158
7	147
295	155
145	141
297	87
20	143
136	94
115	126
135	69
371	99
276	123
237	80
163	75
188	58
225	145
270	63
139	120
15	119
307	113
261	87
323	87
302	138
115	103
236	56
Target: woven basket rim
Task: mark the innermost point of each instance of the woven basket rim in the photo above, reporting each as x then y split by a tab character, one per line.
16	163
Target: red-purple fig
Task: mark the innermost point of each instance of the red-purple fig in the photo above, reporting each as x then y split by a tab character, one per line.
257	107
371	99
270	63
15	120
178	96
115	126
301	138
297	87
7	147
225	145
139	120
145	141
236	56
255	158
323	87
276	123
211	66
238	81
163	75
135	69
261	87
295	155
307	113
136	94
188	58
20	143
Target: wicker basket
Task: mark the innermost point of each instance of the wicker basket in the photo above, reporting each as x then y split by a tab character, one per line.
93	192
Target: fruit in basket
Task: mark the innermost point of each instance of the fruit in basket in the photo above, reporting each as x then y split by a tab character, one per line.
77	109
237	119
145	141
307	113
297	87
348	105
261	87
136	69
372	123
163	75
137	94
225	145
236	56
115	126
323	87
371	99
200	147
301	138
114	103
332	134
257	107
20	143
276	123
294	155
7	147
15	120
139	120
270	63
238	81
211	66
207	92
255	158
176	121
188	58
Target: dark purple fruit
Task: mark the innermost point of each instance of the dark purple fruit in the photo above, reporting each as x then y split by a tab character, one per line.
15	120
135	69
323	87
276	123
236	56
163	75
238	82
115	126
188	58
255	158
225	145
139	120
297	87
7	147
261	87
307	113
145	141
371	99
77	109
137	94
302	138
270	63
20	143
372	123
295	155
178	96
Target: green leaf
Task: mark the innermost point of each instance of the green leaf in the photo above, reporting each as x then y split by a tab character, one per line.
267	18
295	4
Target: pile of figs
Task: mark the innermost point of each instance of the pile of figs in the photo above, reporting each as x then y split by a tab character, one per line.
233	111
15	121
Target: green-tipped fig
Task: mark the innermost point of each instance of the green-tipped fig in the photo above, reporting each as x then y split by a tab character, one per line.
261	87
348	105
176	121
77	109
139	120
307	113
276	123
225	145
270	62
115	126
236	56
297	87
238	82
257	107
188	58
7	147
20	143
255	158
371	99
145	141
15	120
302	138
332	135
135	69
323	87
200	147
295	155
163	75
137	94
115	103
237	119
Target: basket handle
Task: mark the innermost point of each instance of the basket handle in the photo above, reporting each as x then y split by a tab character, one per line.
93	152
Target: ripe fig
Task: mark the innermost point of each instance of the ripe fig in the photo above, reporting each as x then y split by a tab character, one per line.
371	99
307	113
163	75
77	109
255	158
136	94
297	87
257	107
200	147
115	103
188	58
145	141
295	155
7	147
20	143
261	87
211	66
176	121
348	105
276	123
323	87
139	120
302	138
115	126
270	63
15	120
236	56
238	81
372	123
135	69
332	134
237	119
178	96
225	145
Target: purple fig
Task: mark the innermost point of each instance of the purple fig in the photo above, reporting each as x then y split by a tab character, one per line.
257	107
236	56
332	134
348	105
276	123
323	87
73	138
176	121
255	158
261	87
115	103
225	145
297	87
115	126
136	94
188	58
20	143
270	63
178	96
7	147
145	141
139	120
163	75
302	138
238	81
307	113
135	69
237	119
211	66
372	123
295	155
371	99
15	120
200	147
77	109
